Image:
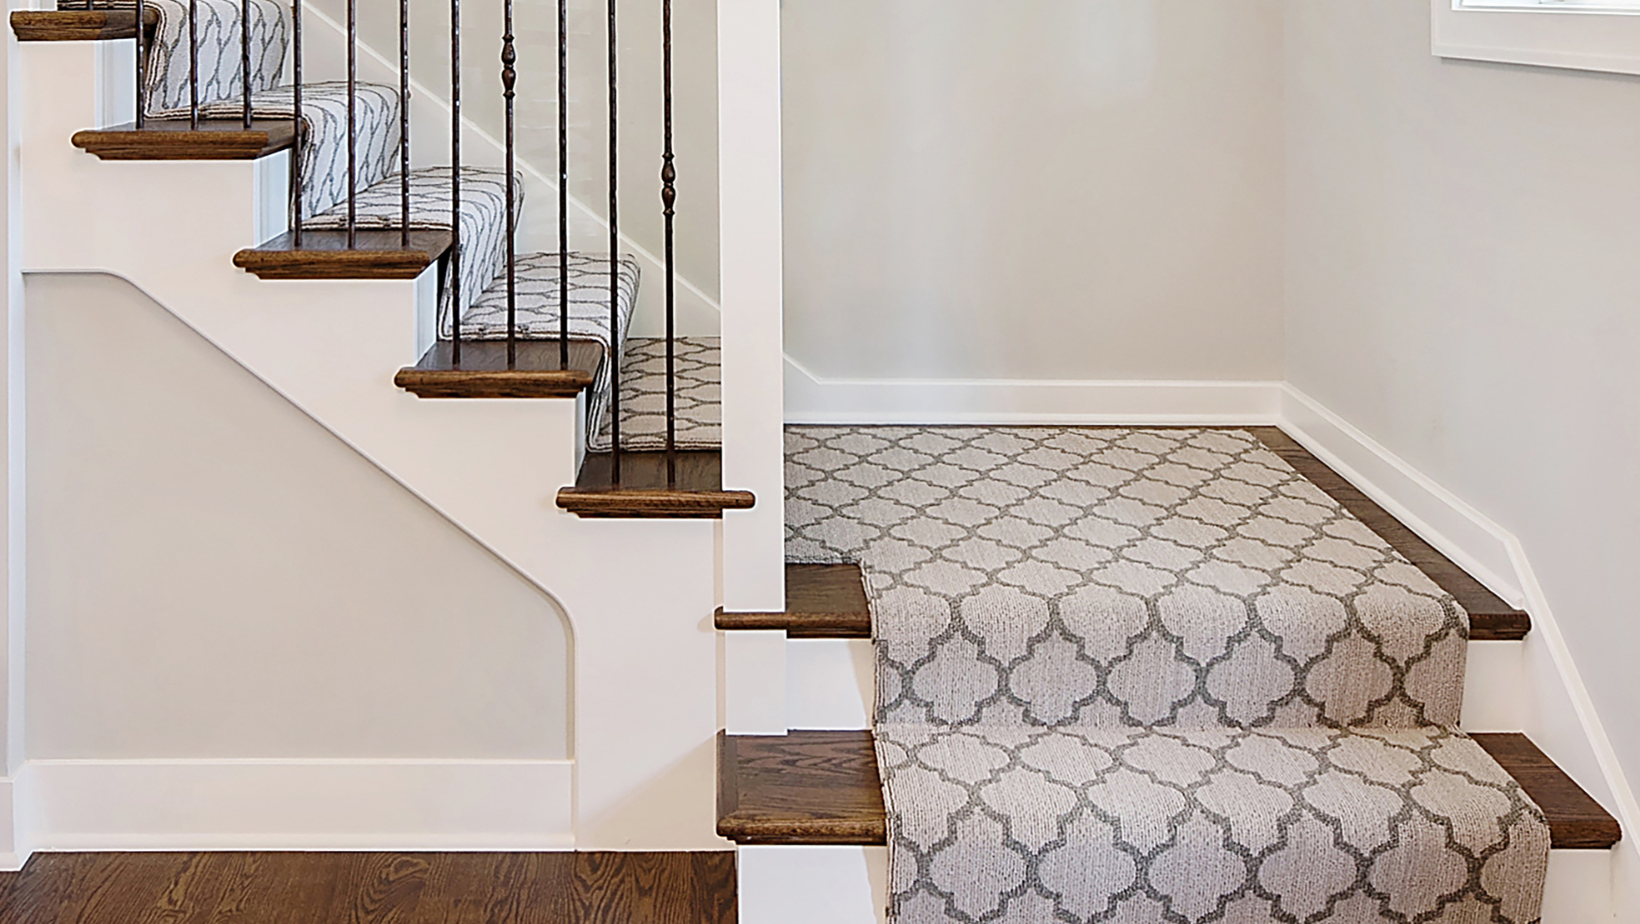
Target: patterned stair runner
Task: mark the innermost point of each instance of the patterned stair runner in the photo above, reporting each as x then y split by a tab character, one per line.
1144	676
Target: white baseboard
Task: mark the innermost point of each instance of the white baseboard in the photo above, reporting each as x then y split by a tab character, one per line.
402	805
815	400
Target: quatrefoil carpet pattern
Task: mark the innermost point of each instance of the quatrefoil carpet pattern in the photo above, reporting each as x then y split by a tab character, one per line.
1130	675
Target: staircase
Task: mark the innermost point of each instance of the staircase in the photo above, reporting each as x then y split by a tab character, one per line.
405	340
807	810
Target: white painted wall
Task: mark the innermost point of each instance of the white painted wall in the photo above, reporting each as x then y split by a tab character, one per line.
215	575
1059	189
1462	286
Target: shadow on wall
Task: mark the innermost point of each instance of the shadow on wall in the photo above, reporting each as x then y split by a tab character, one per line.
212	574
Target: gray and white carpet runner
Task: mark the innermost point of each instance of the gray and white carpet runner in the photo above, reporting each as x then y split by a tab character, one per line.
1156	675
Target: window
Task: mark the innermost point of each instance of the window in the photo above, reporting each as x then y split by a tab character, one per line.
1590	35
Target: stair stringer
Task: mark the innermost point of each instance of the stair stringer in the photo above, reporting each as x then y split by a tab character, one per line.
644	672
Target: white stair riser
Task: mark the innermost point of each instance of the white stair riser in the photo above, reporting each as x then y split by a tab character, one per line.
849	885
828	684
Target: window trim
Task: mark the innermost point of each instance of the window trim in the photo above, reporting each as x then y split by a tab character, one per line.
1606	40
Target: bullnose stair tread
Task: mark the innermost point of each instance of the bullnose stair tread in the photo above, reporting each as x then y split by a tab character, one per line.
78	25
822	601
1490	618
325	254
643	490
1576	820
176	139
484	371
822	787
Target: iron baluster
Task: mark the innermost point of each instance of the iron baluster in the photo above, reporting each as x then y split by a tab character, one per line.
245	57
296	123
669	195
615	344
352	137
563	184
509	77
455	182
193	64
404	123
142	69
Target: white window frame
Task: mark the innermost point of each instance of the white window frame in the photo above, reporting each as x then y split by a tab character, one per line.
1587	35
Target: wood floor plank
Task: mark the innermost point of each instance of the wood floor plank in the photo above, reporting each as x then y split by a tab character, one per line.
371	888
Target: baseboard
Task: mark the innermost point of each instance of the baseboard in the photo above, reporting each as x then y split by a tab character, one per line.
1558	713
815	400
402	805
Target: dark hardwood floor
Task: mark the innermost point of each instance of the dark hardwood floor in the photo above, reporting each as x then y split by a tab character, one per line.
822	787
371	888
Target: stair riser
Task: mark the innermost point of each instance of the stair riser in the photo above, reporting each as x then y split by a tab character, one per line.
828	684
849	885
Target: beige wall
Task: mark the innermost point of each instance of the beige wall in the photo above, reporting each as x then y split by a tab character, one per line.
212	574
1057	189
1462	284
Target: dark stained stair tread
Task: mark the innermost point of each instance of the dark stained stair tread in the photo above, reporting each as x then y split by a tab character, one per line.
810	787
1490	618
174	139
324	254
78	25
536	371
643	491
1576	821
822	601
822	787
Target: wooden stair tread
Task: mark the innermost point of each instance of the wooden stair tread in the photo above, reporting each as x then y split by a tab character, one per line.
78	25
822	787
1490	618
324	254
822	601
1576	821
174	139
643	491
809	787
484	373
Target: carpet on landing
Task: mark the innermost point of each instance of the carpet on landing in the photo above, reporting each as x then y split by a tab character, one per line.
1155	675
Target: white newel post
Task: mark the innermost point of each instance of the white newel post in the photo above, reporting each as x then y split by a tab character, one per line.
11	630
749	168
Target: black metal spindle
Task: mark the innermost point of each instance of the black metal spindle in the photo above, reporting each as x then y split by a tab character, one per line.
296	123
193	64
615	344
245	57
352	130
509	77
669	196
404	123
563	184
455	182
142	69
